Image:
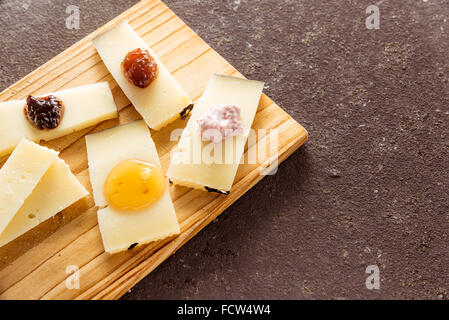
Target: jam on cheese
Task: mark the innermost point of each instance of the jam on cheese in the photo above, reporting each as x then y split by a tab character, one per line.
134	185
217	109
140	68
143	78
84	106
45	112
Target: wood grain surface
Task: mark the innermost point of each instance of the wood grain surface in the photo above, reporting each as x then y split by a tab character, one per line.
34	265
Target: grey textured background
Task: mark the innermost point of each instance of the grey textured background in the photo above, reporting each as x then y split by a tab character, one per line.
370	186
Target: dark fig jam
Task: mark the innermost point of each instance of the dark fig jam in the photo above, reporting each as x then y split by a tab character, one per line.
140	68
44	113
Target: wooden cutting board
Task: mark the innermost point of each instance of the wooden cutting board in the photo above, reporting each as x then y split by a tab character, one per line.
35	265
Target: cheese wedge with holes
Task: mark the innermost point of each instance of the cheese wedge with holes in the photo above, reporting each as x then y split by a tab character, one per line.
19	176
163	101
194	163
83	107
57	190
122	230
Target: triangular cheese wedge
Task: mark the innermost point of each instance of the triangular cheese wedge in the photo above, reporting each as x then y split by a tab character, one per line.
20	175
57	190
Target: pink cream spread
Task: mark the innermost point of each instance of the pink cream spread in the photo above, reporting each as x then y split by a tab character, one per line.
219	122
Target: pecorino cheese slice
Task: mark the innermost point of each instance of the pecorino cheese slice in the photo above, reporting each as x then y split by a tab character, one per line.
123	230
190	165
20	175
57	190
163	101
83	107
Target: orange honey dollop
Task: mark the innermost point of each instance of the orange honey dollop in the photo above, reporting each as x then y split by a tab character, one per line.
134	185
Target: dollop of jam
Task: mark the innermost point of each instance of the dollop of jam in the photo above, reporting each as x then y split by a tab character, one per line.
140	68
44	113
222	120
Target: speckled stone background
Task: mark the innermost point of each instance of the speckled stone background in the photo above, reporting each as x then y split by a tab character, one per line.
370	187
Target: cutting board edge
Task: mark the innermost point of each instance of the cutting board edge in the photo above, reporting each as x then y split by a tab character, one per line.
16	88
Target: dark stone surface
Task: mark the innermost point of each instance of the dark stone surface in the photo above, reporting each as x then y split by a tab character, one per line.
370	186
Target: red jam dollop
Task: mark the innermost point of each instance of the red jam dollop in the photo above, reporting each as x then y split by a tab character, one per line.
140	68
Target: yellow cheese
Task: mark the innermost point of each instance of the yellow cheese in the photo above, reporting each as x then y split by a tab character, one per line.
163	100
122	229
20	175
84	106
57	190
192	164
